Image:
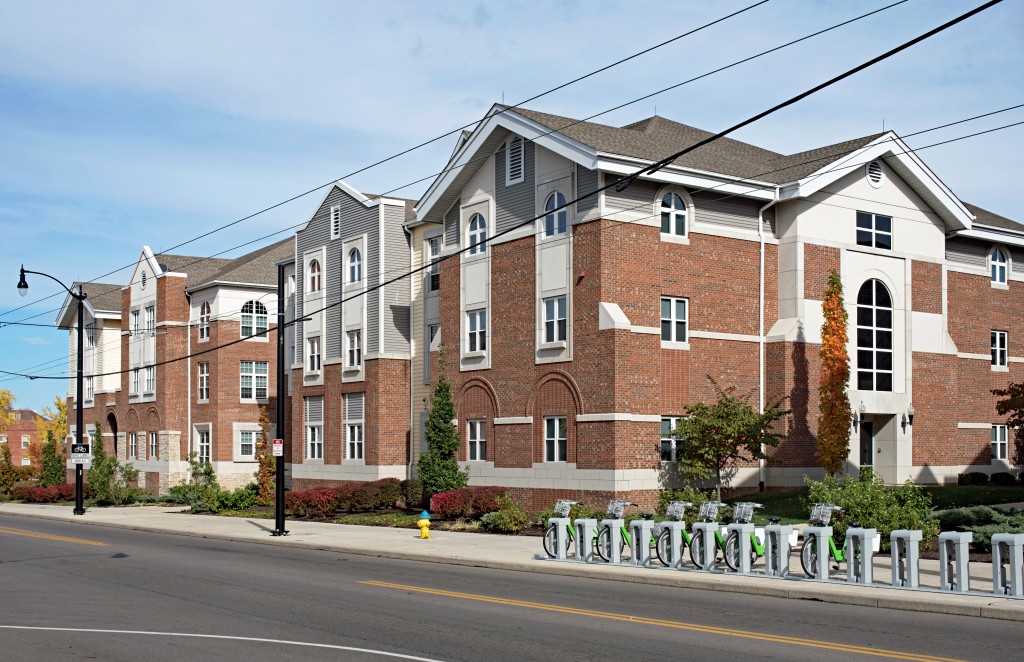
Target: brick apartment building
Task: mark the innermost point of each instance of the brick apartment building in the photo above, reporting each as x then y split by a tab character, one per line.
21	434
351	404
575	341
165	396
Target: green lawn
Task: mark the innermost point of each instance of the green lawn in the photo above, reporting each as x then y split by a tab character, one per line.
789	505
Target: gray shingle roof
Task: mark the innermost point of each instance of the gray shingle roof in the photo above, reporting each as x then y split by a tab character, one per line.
258	267
655	138
102	296
197	268
985	217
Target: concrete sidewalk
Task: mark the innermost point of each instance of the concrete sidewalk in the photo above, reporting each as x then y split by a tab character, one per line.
524	553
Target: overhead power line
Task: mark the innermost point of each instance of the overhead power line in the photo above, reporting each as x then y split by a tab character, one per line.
617	184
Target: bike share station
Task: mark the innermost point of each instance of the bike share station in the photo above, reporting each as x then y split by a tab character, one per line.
741	544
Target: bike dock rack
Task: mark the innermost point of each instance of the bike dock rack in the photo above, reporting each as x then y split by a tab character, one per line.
640	531
906	562
707	554
675	550
585	530
615	538
953	561
561	525
1008	549
859	553
822	534
777	549
743	530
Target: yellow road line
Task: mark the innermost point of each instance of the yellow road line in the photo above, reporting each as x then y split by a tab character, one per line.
707	629
47	536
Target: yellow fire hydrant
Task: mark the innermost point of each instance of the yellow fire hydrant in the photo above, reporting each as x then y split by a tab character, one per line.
424	524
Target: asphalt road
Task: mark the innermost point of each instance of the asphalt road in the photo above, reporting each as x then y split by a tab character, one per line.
74	591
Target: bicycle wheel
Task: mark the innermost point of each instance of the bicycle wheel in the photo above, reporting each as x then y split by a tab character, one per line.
663	547
550	546
732	551
603	547
809	556
697	549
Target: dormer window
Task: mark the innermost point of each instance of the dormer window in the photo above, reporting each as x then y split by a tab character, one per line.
477	234
874	230
355	266
254	319
554	221
315	282
514	161
998	263
673	215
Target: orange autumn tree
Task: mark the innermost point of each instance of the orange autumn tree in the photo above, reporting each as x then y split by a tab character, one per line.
833	402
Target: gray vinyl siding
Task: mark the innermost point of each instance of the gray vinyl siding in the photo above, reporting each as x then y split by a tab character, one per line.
451	226
967	252
514	204
395	330
638	196
1016	260
731	212
356	220
586	182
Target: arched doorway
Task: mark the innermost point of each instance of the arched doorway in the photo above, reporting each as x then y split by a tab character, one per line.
112	424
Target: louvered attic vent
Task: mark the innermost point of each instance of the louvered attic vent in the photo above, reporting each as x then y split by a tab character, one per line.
875	174
514	161
335	222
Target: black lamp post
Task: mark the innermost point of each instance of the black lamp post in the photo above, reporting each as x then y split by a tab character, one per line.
80	297
279	529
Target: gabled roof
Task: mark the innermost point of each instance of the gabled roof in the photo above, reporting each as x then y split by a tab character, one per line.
993	220
797	166
101	299
366	199
256	268
198	269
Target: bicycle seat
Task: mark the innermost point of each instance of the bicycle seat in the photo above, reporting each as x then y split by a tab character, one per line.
774	519
646	515
854	525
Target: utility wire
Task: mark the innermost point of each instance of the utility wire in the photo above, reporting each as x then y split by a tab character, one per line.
617	184
424	144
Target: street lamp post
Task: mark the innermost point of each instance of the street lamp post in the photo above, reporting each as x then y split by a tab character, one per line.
279	529
79	362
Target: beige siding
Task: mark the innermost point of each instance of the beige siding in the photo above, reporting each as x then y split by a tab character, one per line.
419	349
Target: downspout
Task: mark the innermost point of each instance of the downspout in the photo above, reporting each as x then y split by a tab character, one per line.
188	379
761	466
412	358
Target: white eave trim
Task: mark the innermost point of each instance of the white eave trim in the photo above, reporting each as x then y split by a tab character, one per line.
994	235
356	195
887	146
688	177
504	117
229	283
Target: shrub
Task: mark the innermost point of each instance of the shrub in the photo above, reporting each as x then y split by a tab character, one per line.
412	492
983	522
972	478
52	461
389	492
343	496
45	494
200	491
691	494
509	518
317	502
869	501
1003	479
243	498
466	502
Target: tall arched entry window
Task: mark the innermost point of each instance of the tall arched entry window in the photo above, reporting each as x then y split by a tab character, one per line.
874	337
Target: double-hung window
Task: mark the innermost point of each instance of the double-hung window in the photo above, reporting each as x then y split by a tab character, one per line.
874	230
247	443
556	439
997	262
477	234
477	440
476	330
254	319
555	217
135	323
313	354
135	380
204	321
554	319
674	319
89	389
90	336
203	454
150	320
133	444
253	380
354	353
673	215
671	442
153	445
434	246
25	441
150	379
998	442
354	406
314	416
204	381
999	349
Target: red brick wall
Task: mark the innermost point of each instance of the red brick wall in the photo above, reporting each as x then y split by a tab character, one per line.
819	262
926	287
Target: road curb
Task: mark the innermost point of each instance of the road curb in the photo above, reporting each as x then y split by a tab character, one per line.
978	605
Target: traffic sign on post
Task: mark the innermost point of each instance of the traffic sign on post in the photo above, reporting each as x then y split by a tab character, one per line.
80	453
278	447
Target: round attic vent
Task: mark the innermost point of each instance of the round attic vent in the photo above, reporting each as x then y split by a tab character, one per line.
875	174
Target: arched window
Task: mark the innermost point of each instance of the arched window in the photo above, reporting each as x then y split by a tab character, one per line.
204	320
874	337
477	234
355	266
554	221
997	259
314	276
254	319
673	215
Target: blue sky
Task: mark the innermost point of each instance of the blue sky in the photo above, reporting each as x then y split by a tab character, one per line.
127	123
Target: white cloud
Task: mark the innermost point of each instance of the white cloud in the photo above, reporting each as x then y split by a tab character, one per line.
36	341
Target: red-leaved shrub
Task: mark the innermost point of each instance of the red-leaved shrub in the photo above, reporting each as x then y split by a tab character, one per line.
52	494
317	502
465	502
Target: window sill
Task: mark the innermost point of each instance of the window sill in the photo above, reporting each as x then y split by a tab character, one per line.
202	340
475	355
203	401
672	344
245	460
1000	286
556	462
1000	368
258	338
675	239
558	344
353	369
360	462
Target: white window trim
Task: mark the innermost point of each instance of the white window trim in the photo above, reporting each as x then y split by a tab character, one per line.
1002	445
335	221
153	451
556	439
873	231
1005	282
357	348
673	422
554	341
431	258
674	343
310	426
474	441
200	429
254	326
133	445
484	243
254	374
480	333
202	379
238	430
149	387
688	210
205	313
998	347
556	234
314	355
360	444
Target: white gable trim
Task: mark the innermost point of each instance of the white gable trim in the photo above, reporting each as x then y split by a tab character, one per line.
688	177
893	151
355	195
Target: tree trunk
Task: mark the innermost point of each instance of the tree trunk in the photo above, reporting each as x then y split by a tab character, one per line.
718	479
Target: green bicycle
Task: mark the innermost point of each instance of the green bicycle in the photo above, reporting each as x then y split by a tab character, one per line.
663	546
562	507
743	513
708	513
604	538
821	515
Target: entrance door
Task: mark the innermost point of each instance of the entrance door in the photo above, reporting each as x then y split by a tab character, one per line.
867	443
885	447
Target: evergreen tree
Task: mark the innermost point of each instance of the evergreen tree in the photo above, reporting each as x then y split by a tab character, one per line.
833	401
266	473
438	468
52	462
8	472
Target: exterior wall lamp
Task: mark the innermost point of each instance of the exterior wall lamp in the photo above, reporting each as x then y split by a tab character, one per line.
908	418
858	415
